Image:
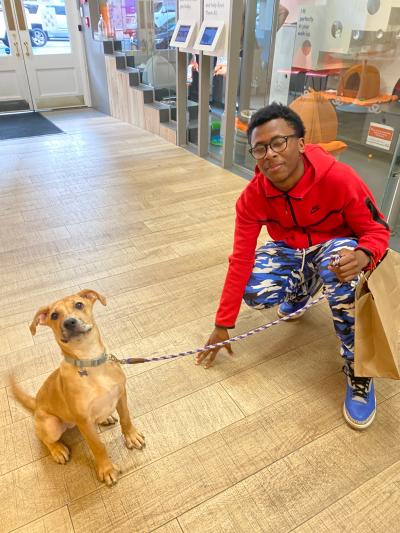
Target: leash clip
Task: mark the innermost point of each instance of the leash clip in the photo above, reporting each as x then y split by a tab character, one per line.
114	358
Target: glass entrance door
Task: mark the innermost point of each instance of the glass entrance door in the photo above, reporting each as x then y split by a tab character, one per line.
15	93
41	56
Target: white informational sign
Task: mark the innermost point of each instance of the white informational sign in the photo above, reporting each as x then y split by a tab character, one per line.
309	39
189	10
321	30
327	30
380	135
189	13
282	67
216	9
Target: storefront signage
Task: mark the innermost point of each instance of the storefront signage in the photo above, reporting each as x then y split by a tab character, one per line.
380	135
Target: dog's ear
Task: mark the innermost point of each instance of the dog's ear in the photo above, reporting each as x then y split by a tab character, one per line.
39	318
93	295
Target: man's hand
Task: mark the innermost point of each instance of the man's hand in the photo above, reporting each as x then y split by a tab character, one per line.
220	69
351	263
218	335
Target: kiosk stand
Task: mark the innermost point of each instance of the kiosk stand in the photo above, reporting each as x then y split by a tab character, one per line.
209	38
220	35
185	33
208	28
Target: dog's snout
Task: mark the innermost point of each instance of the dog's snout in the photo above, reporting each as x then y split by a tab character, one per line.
70	323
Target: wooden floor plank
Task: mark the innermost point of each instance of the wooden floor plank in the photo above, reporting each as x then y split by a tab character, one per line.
171	527
374	506
56	522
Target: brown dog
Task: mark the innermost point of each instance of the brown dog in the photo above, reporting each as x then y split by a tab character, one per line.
86	388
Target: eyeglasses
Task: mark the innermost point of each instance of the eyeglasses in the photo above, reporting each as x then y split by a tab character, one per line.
277	145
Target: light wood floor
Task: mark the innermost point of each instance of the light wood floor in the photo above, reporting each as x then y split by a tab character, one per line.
255	444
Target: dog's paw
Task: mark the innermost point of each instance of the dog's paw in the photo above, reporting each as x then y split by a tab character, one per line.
109	421
134	439
108	473
60	453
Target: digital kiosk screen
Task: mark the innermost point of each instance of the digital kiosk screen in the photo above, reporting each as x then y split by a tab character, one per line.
208	35
182	34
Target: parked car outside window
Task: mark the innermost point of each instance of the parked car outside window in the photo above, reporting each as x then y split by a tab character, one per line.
45	22
164	13
163	35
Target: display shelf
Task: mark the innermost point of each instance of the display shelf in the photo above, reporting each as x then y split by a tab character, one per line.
380	99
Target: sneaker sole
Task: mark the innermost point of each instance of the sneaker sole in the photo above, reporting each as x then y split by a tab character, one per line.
354	424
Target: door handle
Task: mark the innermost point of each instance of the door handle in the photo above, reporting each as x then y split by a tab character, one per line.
16	48
26	48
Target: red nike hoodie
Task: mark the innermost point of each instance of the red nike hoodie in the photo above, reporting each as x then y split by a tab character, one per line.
329	201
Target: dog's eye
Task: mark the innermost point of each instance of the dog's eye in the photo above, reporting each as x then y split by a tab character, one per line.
54	316
79	305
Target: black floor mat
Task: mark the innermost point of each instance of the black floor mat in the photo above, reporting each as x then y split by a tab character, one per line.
19	125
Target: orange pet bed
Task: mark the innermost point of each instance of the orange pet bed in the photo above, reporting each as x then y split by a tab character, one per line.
320	120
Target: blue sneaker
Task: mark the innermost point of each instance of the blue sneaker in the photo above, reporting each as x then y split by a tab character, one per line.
288	307
359	406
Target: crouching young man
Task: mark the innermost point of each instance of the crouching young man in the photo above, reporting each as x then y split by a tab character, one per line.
314	208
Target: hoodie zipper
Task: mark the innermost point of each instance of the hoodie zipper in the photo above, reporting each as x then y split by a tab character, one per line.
295	220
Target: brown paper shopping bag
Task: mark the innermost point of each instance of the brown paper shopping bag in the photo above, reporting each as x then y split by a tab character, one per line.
377	323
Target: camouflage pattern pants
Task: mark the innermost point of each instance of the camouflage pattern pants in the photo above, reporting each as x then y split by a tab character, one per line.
282	274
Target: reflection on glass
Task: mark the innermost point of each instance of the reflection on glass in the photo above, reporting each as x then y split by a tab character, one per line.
160	68
373	6
337	28
47	25
343	89
192	83
4	42
121	22
254	81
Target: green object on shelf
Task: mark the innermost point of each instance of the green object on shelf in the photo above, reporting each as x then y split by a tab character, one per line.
215	125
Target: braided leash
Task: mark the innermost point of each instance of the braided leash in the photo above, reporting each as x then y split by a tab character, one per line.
135	360
335	258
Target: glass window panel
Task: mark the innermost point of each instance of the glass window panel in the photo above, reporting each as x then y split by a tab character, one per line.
47	25
162	69
217	106
337	65
192	84
253	80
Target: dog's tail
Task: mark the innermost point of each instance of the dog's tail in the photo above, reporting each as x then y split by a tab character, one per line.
27	401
